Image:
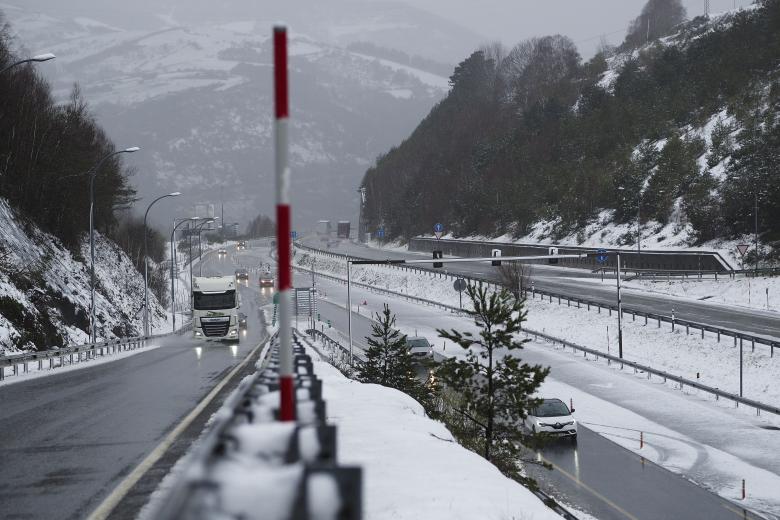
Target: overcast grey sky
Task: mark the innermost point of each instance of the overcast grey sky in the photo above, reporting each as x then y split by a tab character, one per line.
585	21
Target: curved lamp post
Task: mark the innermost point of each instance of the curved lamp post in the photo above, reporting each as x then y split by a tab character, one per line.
199	227
92	174
147	328
39	58
176	224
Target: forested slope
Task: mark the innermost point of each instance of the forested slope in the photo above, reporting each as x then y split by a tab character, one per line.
685	126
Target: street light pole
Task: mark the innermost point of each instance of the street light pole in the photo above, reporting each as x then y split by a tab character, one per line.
173	266
93	174
619	311
39	58
199	227
147	329
755	229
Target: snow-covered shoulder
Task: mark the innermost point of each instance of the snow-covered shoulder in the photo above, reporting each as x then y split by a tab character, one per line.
413	467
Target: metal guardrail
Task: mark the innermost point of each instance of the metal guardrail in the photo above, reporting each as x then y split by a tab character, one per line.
660	373
754	339
57	358
20	363
338	354
637	366
197	491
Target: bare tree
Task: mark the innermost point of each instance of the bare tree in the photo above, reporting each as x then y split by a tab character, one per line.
516	277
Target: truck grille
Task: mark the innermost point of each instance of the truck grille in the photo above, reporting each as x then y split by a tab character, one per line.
215	326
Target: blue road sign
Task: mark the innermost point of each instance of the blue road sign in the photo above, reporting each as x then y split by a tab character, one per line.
602	256
381	233
294	234
438	228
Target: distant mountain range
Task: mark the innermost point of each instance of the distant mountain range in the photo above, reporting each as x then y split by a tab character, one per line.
190	83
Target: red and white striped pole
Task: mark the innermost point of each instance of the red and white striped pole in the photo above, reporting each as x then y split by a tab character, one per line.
286	383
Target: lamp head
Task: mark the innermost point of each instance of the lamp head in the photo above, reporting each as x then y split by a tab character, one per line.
131	149
43	57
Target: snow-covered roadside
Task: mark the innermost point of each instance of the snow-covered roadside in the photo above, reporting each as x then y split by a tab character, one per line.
762	292
710	443
412	466
688	355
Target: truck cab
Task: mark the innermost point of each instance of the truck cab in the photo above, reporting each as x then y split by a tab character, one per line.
215	304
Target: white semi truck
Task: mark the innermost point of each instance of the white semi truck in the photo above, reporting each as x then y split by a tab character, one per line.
215	303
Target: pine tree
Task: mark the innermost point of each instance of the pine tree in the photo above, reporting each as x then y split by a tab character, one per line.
389	362
496	389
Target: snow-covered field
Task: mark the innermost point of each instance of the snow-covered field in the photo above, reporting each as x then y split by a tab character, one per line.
688	355
762	292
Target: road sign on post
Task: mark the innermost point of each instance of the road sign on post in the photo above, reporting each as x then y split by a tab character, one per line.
742	248
496	253
460	286
436	255
380	233
438	230
602	256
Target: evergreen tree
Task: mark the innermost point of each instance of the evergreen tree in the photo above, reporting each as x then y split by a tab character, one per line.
389	362
658	18
496	389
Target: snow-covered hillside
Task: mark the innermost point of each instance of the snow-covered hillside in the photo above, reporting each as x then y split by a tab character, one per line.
196	97
45	289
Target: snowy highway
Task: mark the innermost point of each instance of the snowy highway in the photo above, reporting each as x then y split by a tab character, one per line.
560	280
68	439
599	475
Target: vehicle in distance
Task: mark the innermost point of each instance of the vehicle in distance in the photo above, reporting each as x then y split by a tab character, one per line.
242	274
215	304
342	229
419	347
222	252
266	280
552	417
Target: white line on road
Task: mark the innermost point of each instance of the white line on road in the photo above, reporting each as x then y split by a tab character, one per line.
107	506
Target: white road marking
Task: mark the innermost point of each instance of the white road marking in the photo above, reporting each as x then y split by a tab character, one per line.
111	501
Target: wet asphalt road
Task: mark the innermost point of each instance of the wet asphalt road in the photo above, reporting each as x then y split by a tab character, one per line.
559	280
595	475
68	439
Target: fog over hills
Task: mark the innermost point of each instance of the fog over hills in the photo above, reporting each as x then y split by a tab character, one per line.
190	83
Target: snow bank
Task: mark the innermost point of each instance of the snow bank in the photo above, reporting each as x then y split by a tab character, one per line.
413	467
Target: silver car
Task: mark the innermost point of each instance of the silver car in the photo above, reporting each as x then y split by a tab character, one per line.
419	347
554	418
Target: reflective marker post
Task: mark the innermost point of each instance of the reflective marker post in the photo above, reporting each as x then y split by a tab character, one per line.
283	225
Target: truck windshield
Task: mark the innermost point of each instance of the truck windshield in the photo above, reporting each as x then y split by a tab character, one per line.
215	301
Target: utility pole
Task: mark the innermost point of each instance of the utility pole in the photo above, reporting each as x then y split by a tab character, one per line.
755	223
619	311
707	8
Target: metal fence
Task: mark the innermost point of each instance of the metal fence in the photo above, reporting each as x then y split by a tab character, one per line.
65	356
598	354
198	491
